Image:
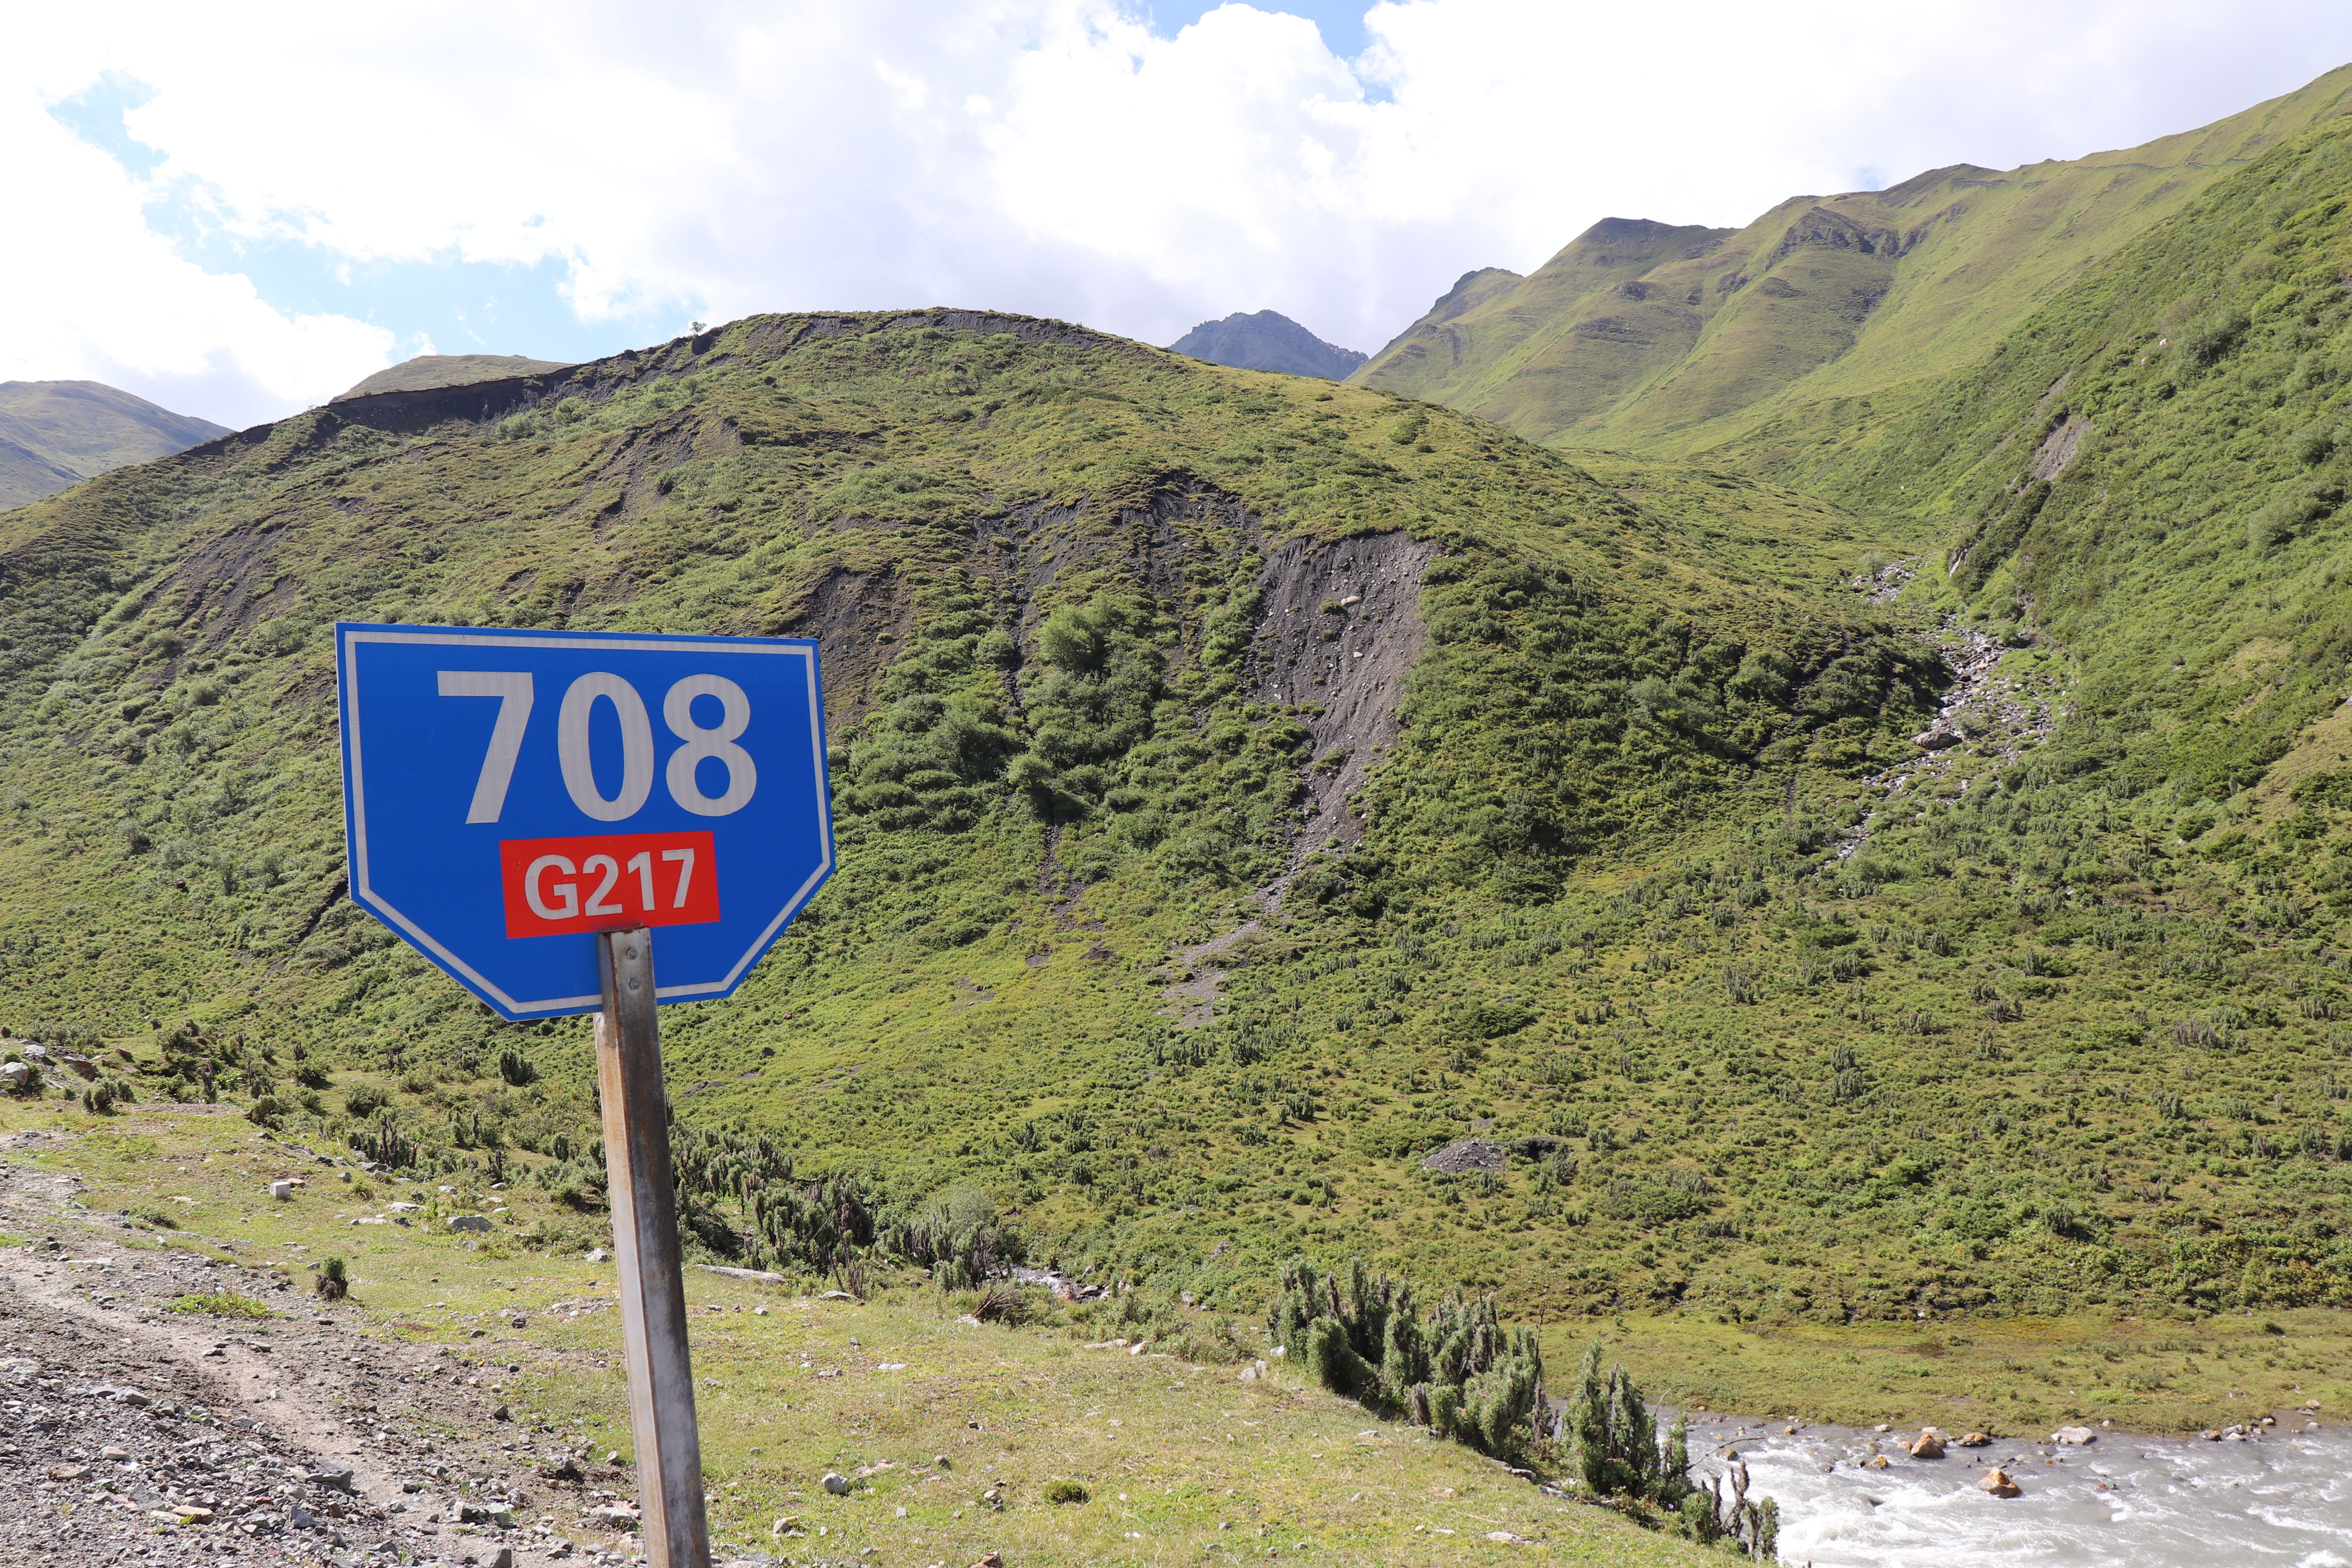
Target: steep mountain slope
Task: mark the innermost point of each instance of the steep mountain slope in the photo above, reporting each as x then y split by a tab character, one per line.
427	372
1670	339
1244	785
1267	339
55	434
2149	475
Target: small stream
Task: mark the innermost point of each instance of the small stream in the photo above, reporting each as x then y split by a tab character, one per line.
2124	1500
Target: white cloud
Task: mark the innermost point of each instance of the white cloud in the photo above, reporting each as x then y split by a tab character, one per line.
88	291
1048	155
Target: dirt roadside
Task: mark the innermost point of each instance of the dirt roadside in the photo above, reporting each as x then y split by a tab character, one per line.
133	1433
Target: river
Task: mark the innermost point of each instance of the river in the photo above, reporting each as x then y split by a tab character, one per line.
2131	1501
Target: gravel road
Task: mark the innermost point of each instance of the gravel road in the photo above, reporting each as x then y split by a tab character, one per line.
132	1434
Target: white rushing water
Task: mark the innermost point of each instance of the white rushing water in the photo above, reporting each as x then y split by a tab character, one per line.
2283	1499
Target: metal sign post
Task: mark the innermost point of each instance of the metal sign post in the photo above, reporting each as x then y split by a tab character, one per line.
645	1243
521	807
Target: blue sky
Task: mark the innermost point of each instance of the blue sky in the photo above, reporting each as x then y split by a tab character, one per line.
1340	23
444	302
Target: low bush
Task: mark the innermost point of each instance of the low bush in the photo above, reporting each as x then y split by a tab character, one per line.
221	1304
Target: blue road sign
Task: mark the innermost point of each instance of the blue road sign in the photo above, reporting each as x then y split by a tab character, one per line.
506	795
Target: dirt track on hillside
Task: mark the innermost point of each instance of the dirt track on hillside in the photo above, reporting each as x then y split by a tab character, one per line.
133	1434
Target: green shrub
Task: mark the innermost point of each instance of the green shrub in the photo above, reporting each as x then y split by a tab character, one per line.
517	1069
365	1101
1065	1491
1453	1369
221	1304
334	1280
2215	336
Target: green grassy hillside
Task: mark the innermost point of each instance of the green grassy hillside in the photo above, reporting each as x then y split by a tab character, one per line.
1244	785
1677	339
55	434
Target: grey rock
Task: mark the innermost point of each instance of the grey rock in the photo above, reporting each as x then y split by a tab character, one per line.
1467	1154
836	1483
470	1222
757	1276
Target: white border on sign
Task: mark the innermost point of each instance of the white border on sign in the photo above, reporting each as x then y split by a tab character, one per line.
358	790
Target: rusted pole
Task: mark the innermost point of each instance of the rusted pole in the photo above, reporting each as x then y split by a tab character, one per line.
645	1243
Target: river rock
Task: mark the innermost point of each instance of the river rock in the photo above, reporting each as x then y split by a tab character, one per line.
2074	1437
1976	1440
1996	1482
1928	1445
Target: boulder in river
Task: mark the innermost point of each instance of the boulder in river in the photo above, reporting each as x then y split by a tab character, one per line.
1996	1482
1976	1440
1928	1445
2074	1437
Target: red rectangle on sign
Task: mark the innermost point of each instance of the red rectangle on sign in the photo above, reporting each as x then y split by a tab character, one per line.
555	886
